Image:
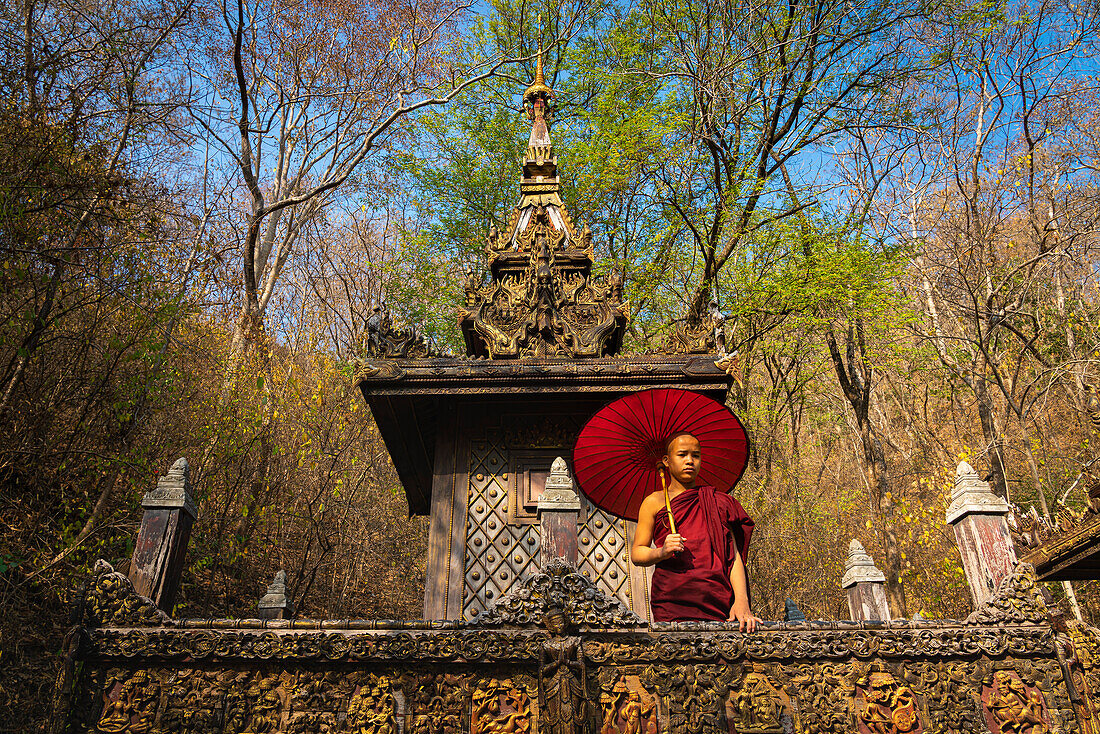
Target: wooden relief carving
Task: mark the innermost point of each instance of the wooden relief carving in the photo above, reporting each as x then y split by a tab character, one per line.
1011	705
693	695
502	706
558	433
198	701
563	704
627	708
437	703
757	706
265	697
130	703
886	706
372	708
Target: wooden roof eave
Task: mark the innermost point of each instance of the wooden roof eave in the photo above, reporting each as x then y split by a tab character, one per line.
1070	556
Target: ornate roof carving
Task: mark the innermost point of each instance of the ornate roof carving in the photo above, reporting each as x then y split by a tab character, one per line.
559	599
541	299
387	340
112	602
1018	601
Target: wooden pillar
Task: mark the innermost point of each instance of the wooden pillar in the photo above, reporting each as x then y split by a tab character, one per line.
275	604
979	518
558	508
866	586
158	560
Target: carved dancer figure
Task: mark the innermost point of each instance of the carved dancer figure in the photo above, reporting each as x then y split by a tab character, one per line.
699	554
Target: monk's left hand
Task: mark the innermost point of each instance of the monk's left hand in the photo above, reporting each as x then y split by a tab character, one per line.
746	619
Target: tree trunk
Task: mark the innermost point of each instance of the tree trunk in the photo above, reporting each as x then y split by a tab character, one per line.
994	440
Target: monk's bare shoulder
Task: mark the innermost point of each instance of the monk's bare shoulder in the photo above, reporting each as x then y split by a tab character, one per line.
652	504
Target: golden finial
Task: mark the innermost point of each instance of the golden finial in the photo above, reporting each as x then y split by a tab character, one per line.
538	86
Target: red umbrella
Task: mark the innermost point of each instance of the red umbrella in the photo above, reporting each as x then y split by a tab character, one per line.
619	449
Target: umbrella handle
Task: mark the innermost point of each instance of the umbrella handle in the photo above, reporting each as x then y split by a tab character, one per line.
668	505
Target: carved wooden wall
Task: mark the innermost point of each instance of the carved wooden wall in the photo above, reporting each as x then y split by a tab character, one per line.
558	656
484	535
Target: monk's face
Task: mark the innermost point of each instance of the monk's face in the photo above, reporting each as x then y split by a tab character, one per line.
684	459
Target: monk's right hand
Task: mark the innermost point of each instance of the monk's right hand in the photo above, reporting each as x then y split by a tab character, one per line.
674	543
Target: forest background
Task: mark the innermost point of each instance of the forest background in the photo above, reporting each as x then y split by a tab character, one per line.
893	203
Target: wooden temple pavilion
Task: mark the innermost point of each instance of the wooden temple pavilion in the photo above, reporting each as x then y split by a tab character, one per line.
473	437
534	621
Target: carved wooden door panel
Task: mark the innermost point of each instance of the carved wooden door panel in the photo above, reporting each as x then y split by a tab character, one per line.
498	552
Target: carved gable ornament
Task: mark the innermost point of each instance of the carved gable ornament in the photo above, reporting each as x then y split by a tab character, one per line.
559	599
112	602
1018	601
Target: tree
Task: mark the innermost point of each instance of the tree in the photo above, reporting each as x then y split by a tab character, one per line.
304	97
760	89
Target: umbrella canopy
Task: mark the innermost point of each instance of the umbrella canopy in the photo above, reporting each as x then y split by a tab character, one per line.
618	451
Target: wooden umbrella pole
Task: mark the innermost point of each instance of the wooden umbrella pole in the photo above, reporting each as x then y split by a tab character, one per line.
668	505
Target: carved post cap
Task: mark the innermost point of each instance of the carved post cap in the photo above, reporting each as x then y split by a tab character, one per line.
275	604
860	567
558	494
971	495
173	491
865	586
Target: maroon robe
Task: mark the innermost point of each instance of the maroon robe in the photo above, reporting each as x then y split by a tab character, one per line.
695	583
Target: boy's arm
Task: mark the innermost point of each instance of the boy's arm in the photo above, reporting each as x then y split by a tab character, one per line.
740	580
641	552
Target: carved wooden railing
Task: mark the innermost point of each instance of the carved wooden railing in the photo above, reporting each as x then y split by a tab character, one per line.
557	657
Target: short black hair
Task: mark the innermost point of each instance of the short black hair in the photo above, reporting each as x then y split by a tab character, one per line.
676	435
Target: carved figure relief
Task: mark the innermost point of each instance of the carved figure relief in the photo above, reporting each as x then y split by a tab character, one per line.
501	706
196	701
1013	706
951	689
563	704
627	709
130	705
757	706
1084	659
265	696
886	706
313	699
372	708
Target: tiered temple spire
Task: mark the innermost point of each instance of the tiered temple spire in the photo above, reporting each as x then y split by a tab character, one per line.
541	300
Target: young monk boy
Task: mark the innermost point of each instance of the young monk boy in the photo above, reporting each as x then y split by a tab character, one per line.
700	569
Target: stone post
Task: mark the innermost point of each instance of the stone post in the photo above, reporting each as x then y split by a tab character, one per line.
791	612
157	563
979	518
866	586
559	507
275	604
